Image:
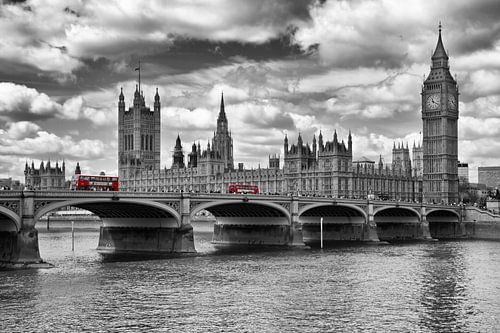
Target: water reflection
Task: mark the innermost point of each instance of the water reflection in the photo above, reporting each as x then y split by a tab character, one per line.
444	288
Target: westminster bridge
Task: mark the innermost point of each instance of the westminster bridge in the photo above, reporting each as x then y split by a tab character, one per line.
160	223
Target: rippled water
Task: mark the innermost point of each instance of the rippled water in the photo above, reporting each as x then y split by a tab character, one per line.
419	287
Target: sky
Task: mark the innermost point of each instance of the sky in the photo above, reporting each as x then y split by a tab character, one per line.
285	67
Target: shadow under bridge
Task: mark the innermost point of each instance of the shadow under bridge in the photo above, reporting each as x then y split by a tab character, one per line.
340	223
444	224
398	223
246	213
249	223
123	213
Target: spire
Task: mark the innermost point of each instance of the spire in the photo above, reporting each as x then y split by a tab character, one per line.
335	140
157	96
222	112
440	52
121	94
178	142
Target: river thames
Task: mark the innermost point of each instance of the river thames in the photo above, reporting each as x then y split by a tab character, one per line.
451	286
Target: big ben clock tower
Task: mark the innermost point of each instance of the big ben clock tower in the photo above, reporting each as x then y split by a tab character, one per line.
440	130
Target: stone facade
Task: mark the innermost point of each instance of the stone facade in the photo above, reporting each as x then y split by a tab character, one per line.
45	177
138	137
326	168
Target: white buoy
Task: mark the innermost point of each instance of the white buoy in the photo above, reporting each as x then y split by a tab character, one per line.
321	231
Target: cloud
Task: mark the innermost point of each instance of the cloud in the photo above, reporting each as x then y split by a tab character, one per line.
474	129
18	102
56	36
21	102
22	129
49	144
26	141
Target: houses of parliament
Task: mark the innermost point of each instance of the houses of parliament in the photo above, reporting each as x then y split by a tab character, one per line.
325	168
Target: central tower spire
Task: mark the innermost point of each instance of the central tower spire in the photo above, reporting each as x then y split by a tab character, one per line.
222	112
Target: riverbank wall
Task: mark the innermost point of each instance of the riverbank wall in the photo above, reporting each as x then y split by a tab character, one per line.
481	224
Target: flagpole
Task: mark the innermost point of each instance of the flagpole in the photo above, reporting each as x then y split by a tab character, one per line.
139	77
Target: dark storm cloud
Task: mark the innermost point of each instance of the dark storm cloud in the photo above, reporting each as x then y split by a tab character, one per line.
189	54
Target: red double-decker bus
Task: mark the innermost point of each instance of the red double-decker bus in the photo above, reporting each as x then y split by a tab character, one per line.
94	183
243	189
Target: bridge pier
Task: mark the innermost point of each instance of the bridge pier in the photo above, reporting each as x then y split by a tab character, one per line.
19	247
148	236
296	238
370	227
424	224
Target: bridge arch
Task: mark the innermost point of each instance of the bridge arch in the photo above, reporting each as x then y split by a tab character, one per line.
442	212
444	223
398	211
341	222
396	223
122	208
234	208
9	221
327	207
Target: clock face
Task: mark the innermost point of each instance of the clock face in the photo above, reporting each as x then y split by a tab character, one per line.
433	101
452	102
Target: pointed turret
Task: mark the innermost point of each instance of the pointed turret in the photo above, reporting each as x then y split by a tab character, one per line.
335	140
157	101
349	142
315	147
178	156
121	101
222	112
78	171
157	96
439	52
439	57
137	98
320	141
178	142
285	145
